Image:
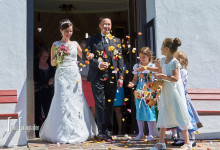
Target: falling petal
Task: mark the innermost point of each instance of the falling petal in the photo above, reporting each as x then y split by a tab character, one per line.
127	71
111	48
118	45
86	144
86	35
129	110
86	50
123	119
139	33
114	71
87	62
126	99
109	100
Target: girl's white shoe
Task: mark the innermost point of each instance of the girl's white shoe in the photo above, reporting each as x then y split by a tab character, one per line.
150	138
159	146
138	137
186	147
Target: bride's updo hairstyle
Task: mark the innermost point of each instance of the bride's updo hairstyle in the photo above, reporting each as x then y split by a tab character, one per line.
65	23
172	44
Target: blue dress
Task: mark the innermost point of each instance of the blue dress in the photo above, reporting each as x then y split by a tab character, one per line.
143	111
192	112
119	97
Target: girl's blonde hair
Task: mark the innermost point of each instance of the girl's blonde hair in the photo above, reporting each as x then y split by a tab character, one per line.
182	56
157	61
146	51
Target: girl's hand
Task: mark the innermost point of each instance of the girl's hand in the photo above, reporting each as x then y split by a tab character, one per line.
142	68
130	85
159	76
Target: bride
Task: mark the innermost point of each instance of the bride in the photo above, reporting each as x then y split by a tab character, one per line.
69	119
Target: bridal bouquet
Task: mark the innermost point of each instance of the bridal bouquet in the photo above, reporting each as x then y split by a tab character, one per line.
60	53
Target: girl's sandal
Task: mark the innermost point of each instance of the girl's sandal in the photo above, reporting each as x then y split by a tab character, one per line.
186	147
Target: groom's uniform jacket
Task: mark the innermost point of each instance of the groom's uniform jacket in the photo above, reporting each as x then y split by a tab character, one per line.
110	51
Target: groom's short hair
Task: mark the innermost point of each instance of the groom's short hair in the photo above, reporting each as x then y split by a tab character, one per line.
106	17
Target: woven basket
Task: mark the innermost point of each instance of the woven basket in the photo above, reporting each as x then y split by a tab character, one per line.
157	84
150	101
137	94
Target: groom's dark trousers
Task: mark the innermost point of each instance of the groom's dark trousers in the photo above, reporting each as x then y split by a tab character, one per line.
104	94
104	83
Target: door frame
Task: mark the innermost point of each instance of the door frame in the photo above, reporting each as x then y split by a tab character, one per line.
30	70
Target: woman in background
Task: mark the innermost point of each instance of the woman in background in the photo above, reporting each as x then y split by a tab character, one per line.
43	81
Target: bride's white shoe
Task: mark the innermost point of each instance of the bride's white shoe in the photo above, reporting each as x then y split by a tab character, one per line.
159	146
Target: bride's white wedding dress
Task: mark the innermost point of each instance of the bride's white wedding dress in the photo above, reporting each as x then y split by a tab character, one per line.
69	119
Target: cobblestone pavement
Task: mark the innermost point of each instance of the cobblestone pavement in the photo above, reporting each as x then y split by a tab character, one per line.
119	142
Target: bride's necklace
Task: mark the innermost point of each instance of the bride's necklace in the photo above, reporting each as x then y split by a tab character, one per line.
65	41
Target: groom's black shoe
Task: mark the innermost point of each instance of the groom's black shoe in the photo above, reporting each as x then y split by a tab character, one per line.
101	136
108	134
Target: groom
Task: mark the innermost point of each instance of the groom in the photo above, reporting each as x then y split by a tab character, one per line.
105	74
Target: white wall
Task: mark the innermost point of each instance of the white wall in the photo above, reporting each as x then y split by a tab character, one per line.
196	23
13	61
